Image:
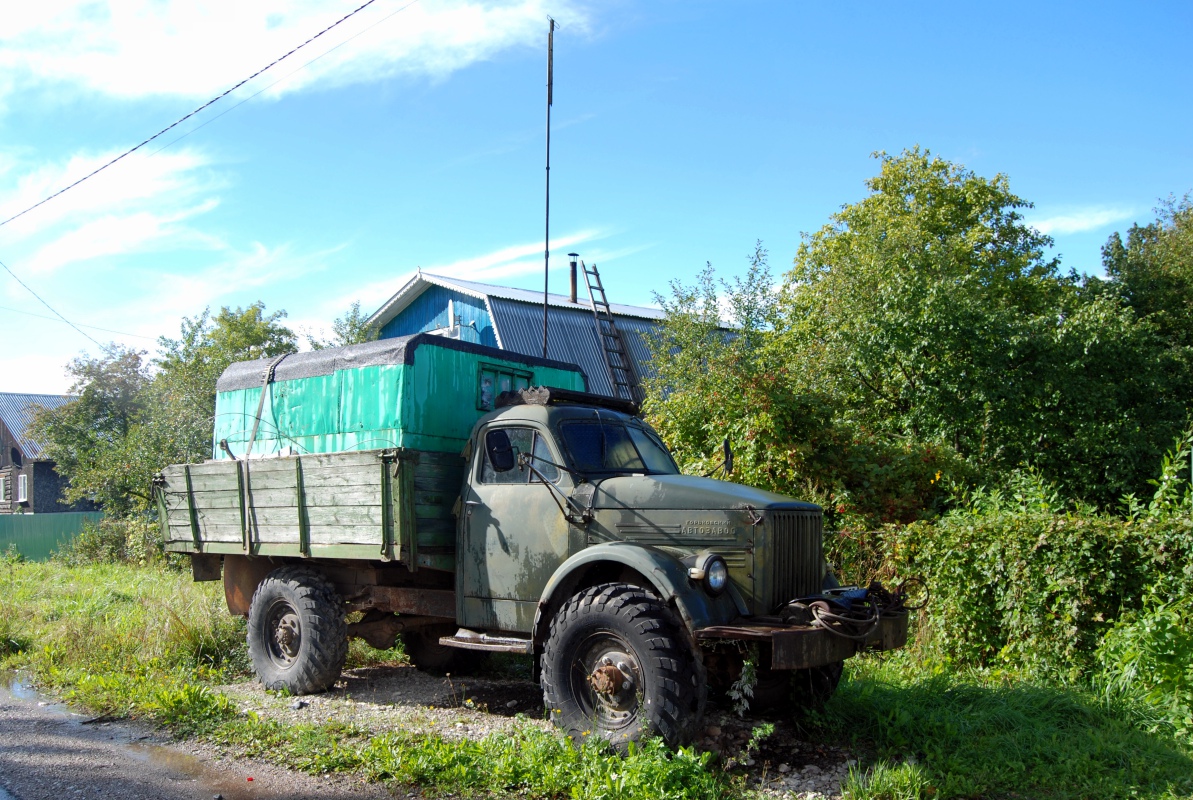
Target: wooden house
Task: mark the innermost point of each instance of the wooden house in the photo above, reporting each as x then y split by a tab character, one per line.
28	481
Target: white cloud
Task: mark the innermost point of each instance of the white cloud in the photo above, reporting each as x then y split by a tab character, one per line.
138	48
34	374
135	182
1080	220
505	262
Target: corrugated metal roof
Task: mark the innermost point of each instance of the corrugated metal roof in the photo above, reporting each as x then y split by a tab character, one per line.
16	412
486	291
571	336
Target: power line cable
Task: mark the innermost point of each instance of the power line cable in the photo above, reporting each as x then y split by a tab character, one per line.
92	327
285	77
178	122
47	305
175	124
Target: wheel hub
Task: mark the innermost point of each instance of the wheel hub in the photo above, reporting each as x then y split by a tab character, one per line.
606	680
613	681
286	636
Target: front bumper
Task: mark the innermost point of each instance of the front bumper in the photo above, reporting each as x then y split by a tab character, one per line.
805	646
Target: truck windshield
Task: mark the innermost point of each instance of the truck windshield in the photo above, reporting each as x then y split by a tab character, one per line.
600	446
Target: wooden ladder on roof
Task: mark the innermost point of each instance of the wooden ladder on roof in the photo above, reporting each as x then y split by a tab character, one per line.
622	372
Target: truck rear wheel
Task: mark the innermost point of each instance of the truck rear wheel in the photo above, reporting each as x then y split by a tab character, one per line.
616	665
297	635
424	651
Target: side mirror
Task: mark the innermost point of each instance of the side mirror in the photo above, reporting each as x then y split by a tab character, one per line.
500	450
728	456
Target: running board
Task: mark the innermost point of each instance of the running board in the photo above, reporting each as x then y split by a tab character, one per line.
471	640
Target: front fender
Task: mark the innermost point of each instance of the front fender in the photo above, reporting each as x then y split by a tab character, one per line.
666	574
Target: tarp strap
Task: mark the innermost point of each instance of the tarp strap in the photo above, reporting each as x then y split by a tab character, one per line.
269	371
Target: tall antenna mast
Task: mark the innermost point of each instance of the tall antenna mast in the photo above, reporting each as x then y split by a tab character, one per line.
547	221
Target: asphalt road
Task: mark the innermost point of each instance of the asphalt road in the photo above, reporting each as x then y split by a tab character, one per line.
50	751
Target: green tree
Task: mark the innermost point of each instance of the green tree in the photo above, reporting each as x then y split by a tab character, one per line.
929	311
132	418
918	308
723	371
86	437
352	328
1153	271
922	339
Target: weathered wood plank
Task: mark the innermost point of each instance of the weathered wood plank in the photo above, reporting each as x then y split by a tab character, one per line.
275	516
349	515
346	534
423	511
214	483
219	516
429	539
219	531
425	498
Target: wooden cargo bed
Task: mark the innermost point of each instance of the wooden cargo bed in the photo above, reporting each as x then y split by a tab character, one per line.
387	505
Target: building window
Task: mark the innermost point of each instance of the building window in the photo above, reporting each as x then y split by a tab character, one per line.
494	380
4	491
22	488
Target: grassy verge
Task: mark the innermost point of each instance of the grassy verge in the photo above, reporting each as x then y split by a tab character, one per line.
940	734
149	642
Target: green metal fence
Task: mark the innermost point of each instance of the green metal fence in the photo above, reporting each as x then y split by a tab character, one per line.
36	536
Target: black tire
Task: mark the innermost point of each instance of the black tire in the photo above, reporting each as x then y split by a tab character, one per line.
424	651
812	688
616	665
778	693
298	638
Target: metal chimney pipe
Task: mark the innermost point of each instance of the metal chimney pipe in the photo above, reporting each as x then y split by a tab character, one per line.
572	264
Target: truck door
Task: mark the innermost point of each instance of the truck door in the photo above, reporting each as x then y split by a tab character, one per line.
514	535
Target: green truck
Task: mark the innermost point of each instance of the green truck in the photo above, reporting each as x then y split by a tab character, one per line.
471	500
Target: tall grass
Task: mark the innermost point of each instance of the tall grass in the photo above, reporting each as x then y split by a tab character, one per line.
941	732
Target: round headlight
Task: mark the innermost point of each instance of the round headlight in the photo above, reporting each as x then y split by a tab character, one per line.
716	575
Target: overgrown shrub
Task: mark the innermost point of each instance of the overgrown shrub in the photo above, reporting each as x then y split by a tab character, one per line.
135	539
1148	657
1032	589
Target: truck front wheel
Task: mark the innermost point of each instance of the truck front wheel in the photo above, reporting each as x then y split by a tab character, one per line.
616	665
778	691
297	635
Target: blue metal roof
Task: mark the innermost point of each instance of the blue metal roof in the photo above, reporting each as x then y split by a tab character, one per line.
571	336
16	412
517	318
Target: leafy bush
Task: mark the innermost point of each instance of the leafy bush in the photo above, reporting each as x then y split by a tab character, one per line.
135	539
1148	657
1035	589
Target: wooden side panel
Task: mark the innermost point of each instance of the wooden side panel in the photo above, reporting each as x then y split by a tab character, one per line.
312	502
437	480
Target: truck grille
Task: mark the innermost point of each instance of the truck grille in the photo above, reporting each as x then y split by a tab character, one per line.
797	547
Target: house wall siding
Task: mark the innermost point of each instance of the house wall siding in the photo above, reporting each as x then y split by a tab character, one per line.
46	488
428	312
45	484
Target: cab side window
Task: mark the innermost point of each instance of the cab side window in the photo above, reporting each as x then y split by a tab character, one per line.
523	440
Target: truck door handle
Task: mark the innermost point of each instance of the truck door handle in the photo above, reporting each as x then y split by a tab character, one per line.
472	502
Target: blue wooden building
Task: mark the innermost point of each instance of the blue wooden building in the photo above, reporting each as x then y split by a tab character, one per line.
512	319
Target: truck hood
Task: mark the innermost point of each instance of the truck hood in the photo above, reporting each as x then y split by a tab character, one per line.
686	492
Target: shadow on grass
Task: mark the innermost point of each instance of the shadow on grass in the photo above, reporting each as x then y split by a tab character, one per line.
953	736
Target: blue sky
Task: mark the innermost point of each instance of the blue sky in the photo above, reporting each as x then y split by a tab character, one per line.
682	132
